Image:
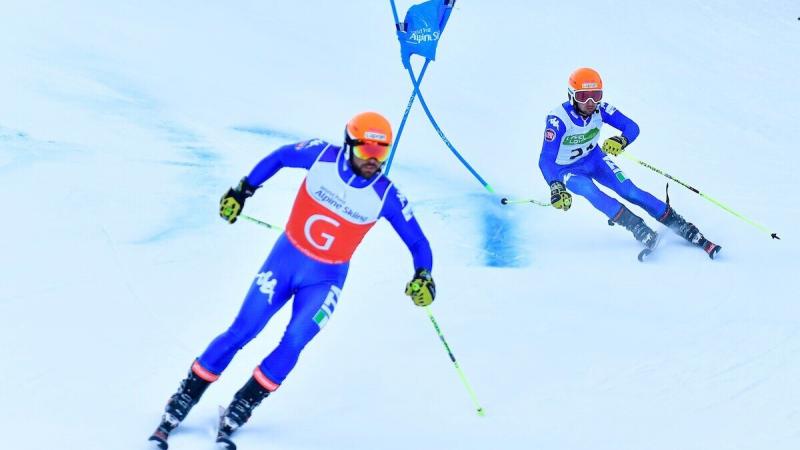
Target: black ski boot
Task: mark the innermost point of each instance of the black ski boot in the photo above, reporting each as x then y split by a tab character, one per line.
636	225
179	405
239	411
688	231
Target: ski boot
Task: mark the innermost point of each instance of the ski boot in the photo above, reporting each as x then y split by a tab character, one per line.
688	231
239	411
181	402
636	225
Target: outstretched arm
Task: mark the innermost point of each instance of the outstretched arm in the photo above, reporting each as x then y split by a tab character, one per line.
302	154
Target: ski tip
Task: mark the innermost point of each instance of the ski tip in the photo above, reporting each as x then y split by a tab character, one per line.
713	250
481	412
225	444
504	201
157	443
643	254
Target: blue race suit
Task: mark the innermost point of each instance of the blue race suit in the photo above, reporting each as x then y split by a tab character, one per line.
297	265
570	154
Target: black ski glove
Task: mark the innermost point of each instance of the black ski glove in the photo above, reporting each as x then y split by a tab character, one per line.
559	197
421	288
615	145
232	202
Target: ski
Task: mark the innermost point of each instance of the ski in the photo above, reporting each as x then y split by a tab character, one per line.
711	248
224	431
224	443
159	437
645	252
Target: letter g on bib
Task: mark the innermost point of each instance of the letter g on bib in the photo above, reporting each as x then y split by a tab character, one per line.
328	239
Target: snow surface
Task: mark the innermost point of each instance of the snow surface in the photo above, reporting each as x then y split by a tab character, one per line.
121	123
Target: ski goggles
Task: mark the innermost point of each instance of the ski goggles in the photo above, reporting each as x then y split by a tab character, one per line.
367	150
584	96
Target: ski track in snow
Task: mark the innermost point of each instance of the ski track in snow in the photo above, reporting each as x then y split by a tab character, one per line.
122	125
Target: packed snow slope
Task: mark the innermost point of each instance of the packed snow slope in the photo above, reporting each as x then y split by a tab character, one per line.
121	124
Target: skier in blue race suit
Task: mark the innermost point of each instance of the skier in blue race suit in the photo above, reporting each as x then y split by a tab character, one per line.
341	198
570	162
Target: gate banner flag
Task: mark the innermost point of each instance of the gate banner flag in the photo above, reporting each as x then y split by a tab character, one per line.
422	29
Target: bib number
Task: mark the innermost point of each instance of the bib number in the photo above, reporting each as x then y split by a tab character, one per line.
578	152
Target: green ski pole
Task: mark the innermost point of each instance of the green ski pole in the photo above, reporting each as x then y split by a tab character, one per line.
511	201
461	375
707	197
261	222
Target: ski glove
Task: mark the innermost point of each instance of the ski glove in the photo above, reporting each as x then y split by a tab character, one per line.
421	288
615	145
559	197
232	202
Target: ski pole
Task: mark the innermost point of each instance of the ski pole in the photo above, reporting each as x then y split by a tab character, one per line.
256	221
697	191
415	81
405	117
461	375
261	222
510	201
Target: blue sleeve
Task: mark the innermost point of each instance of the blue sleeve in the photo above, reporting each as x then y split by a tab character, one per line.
300	155
553	132
398	212
623	123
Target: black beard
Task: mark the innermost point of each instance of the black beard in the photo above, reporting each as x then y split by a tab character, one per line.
581	113
358	172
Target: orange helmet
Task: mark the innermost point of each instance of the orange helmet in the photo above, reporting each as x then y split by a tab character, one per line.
583	79
368	135
369	127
